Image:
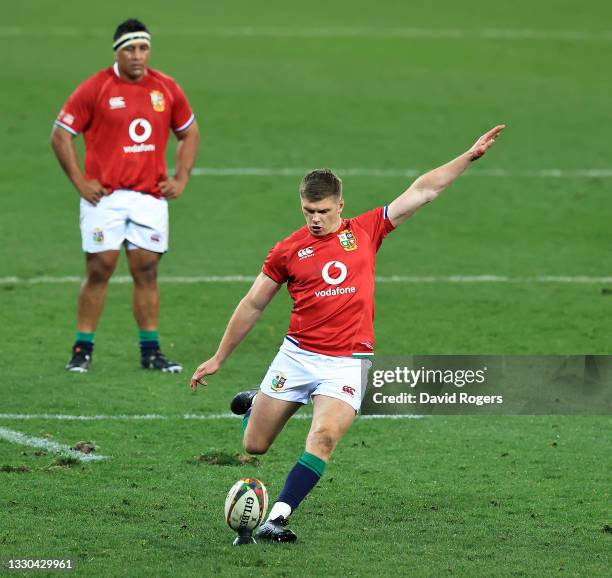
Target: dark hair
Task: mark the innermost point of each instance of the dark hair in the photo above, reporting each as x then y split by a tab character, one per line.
320	184
129	25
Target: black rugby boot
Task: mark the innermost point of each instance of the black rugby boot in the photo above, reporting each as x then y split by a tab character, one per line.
242	401
276	531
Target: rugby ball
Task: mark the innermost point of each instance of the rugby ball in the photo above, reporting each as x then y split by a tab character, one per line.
246	504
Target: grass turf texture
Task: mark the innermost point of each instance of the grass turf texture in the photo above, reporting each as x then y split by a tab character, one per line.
459	496
466	496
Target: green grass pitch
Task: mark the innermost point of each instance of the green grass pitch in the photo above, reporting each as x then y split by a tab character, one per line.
277	85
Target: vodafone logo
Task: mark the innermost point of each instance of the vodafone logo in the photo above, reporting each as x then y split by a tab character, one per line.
307	252
340	271
339	278
140	130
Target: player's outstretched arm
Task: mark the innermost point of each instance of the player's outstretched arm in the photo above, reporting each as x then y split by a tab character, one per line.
428	186
245	316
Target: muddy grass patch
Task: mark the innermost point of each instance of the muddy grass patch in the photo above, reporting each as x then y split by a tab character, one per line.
64	462
84	447
7	469
221	458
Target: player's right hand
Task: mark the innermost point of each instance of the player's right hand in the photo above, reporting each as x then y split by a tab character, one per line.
207	368
92	191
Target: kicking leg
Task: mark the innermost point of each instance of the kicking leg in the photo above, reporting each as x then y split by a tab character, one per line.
267	418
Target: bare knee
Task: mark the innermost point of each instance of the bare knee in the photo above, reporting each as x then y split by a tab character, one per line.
99	272
322	442
144	273
255	446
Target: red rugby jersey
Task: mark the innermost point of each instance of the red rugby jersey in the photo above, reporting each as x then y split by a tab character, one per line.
331	282
126	127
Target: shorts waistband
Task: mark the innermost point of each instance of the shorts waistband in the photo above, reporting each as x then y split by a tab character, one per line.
292	344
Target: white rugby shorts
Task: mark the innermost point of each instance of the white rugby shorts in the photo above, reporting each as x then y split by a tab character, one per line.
137	219
297	375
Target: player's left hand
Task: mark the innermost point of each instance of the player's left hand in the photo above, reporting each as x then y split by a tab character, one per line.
207	368
172	188
485	142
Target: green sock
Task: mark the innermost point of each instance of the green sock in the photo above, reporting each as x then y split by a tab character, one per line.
83	336
245	419
144	335
312	462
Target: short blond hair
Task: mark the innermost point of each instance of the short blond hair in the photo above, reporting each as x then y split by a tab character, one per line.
320	184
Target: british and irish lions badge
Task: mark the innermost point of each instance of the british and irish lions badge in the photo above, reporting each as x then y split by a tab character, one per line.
278	381
347	240
157	100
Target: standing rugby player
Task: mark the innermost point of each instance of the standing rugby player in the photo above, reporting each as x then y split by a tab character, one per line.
125	113
328	266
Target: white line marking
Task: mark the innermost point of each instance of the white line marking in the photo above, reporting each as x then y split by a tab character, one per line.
391	416
400	279
121	280
601	173
16	437
120	417
160	417
337	32
541	279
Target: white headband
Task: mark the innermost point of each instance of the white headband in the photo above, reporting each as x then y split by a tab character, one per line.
132	38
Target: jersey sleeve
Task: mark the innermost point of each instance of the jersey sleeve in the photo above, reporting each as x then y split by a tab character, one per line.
376	223
275	265
77	112
182	115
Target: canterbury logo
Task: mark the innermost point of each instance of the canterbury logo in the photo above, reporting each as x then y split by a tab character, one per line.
116	102
307	252
339	278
